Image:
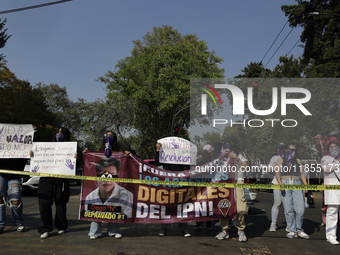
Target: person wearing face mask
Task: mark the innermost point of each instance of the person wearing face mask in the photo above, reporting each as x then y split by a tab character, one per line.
57	190
290	172
331	166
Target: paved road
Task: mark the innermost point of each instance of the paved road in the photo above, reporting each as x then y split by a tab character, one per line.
143	238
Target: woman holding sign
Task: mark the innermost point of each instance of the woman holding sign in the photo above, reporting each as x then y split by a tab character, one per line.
56	189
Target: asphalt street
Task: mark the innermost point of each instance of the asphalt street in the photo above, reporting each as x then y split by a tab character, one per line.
144	239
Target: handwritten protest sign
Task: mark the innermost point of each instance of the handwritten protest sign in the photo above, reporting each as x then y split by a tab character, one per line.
16	140
54	158
177	150
106	201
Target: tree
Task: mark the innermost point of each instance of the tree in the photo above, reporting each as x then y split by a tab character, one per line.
154	83
320	35
66	112
21	103
288	68
3	37
253	70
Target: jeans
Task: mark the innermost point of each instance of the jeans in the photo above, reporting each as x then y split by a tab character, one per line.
276	205
96	229
13	189
293	201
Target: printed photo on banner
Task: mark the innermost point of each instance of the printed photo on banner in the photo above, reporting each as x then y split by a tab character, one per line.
150	202
16	140
175	150
54	158
105	200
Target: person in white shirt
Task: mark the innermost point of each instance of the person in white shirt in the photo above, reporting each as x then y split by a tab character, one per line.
331	166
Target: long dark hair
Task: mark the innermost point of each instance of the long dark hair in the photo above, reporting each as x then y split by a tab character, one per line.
65	132
115	146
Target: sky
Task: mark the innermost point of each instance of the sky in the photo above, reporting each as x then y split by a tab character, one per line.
74	43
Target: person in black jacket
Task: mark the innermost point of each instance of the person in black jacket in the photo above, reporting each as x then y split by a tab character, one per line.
57	190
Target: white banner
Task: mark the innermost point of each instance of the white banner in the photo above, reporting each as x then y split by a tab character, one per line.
16	140
54	158
177	150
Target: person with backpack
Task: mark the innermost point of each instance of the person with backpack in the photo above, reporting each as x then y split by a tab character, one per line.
331	166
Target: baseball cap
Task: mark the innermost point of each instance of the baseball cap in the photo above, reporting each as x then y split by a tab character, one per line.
280	145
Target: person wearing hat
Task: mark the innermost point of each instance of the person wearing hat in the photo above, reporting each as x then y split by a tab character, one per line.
331	166
281	146
240	160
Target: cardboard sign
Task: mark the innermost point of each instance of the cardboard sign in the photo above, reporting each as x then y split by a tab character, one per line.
54	158
16	140
177	150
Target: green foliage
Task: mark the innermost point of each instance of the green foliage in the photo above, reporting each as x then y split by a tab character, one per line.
66	113
3	37
20	102
153	83
253	70
320	35
288	68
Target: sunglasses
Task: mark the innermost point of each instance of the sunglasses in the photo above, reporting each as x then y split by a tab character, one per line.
107	175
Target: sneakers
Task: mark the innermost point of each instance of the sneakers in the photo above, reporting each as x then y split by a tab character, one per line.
303	235
332	241
186	233
118	236
242	236
287	229
94	237
291	235
61	232
162	232
44	235
20	227
222	235
273	227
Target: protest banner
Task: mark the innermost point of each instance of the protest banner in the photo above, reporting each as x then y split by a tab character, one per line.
177	150
54	158
16	140
105	201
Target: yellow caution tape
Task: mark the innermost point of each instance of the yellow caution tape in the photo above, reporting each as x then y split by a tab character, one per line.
181	183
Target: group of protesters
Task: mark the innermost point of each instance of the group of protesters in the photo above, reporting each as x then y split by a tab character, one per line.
57	190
